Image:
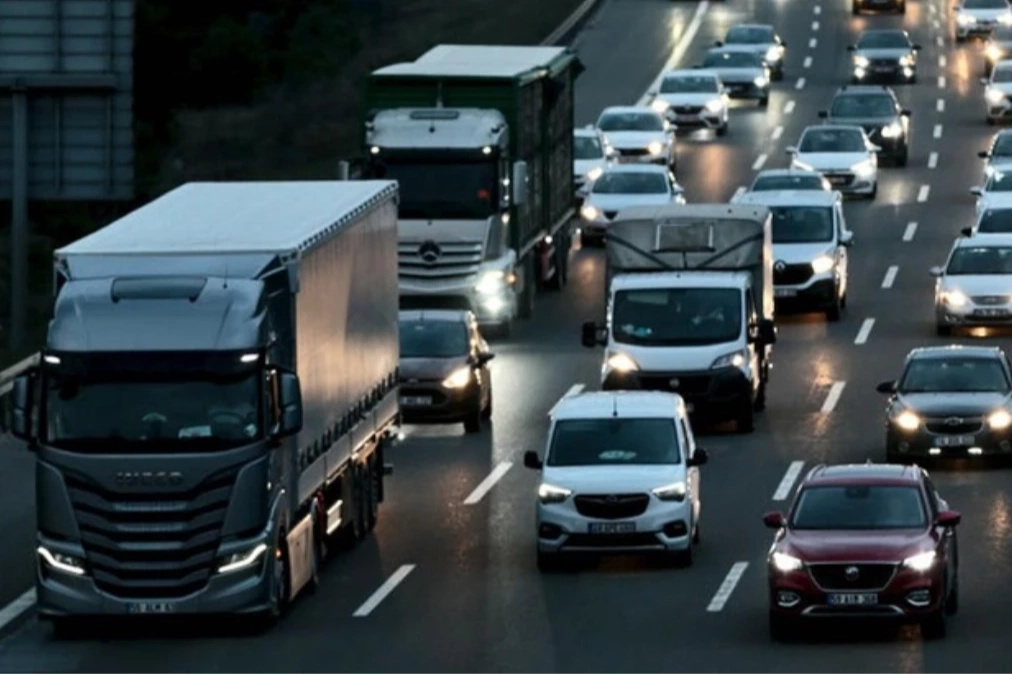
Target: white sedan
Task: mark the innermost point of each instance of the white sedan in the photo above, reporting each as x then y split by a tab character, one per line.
999	151
972	288
620	187
591	156
843	154
639	134
997	103
693	98
996	191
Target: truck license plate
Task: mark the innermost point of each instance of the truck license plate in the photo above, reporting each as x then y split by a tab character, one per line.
954	441
611	528
151	608
852	599
416	400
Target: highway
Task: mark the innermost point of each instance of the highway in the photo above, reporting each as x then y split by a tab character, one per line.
448	581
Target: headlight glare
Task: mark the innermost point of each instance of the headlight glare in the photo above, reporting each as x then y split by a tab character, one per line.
955	298
999	419
861	61
894	130
823	264
242	559
907	60
786	563
735	359
994	95
622	363
716	105
660	105
590	212
671	493
491	282
61	562
459	378
655	148
993	52
921	562
1005	19
551	494
864	169
594	173
760	81
908	421
965	19
773	54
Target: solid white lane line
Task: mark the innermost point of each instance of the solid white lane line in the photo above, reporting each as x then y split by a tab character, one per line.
922	194
833	397
942	61
759	162
908	234
787	482
738	193
890	277
800	84
572	391
679	51
486	485
815	25
383	591
17	607
940	41
777	133
933	160
807	63
789	107
812	43
723	593
940	105
941	81
865	332
938	131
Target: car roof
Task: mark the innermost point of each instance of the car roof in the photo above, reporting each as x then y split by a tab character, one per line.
617	404
864	89
863	474
694	72
623	109
947	351
451	315
637	168
737	49
787	172
986	239
791	198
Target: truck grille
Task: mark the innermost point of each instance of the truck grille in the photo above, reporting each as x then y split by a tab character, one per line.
611	507
792	275
442	261
151	545
834	577
958	426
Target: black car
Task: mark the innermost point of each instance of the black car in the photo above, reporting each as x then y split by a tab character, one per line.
877	110
998	47
950	401
444	373
858	6
884	55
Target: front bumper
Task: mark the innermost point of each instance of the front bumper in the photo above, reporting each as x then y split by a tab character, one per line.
885	71
848	182
938	439
819	291
973	315
432	403
696	117
747	90
663	526
720	392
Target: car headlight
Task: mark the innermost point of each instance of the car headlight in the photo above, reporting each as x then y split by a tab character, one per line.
965	20
864	169
894	130
993	53
241	560
760	81
551	494
921	562
786	563
61	562
671	493
908	421
999	419
861	61
907	60
955	298
660	105
773	54
459	378
736	359
994	96
823	264
1005	19
589	212
622	363
491	282
716	105
655	148
594	173
798	164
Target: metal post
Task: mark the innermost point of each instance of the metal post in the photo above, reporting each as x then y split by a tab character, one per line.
343	169
19	217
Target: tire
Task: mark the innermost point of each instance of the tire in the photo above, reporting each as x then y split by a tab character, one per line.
952	601
781	628
746	419
279	585
472	423
760	397
874	192
722	130
697	536
943	331
370	498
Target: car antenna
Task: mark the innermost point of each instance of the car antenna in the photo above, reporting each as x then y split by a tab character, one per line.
224	283
614	406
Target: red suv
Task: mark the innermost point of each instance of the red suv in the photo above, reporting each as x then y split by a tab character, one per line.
871	540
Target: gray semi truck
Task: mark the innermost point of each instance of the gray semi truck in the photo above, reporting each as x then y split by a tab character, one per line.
213	400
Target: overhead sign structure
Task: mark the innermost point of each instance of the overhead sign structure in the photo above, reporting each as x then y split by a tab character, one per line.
66	114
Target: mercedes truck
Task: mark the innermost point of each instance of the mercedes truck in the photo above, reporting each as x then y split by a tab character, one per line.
480	140
213	399
690	307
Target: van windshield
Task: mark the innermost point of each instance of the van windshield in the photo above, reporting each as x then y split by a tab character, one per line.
614	440
677	316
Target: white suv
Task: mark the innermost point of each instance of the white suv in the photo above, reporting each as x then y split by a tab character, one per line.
620	474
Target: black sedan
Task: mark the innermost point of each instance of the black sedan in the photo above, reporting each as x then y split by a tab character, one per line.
444	371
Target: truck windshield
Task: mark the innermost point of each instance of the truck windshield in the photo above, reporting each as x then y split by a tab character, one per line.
682	316
443	189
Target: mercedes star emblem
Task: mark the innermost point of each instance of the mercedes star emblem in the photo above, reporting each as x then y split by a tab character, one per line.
429	252
780	266
851	573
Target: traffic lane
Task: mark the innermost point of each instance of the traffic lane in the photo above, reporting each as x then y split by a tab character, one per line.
17	518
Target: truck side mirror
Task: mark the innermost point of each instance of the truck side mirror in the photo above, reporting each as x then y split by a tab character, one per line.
290	422
592	335
22	397
767	332
519	183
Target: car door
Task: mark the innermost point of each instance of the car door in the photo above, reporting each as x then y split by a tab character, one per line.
692	472
945	536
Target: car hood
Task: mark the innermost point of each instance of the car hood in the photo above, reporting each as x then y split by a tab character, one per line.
866	123
985	14
896	53
1003	87
824	161
618	202
612	479
635	139
802	252
581	167
977	284
814	546
949	403
738	75
689	99
430	368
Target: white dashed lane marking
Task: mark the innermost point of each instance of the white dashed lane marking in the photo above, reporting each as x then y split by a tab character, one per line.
759	162
922	194
383	591
723	593
787	482
890	277
800	84
777	133
789	107
908	234
486	485
833	397
940	105
941	81
813	43
938	131
864	332
807	63
933	160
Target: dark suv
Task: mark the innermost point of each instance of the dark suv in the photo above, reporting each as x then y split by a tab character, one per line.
877	110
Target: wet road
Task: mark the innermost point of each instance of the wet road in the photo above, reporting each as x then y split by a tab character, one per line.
472	599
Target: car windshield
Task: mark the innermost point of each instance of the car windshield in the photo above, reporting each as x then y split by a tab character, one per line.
859	507
587	147
433	339
1002	145
985	4
690	84
832	140
883	40
955	374
684	316
733	60
999	181
996	220
631	121
864	105
789	182
1001	75
980	260
614	441
749	35
629	183
802	224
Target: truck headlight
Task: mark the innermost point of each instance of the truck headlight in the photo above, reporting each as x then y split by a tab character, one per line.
823	264
459	378
622	363
714	106
61	562
999	419
864	169
735	359
589	212
921	562
861	61
594	173
894	130
491	282
671	493
242	560
786	563
908	421
551	494
994	96
955	298
655	148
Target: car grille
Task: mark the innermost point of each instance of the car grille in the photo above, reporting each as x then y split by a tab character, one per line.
610	215
687	384
687	109
959	425
883	63
634	540
633	152
151	545
611	507
990	299
870	576
791	275
838	179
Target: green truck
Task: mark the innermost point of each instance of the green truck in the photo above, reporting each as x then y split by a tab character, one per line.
480	139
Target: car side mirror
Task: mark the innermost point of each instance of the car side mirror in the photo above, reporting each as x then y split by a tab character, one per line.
718	43
532	461
823	114
976	191
520	183
847	238
984	81
886	387
290	392
983	154
484	358
699	458
592	335
906	112
774	520
936	271
766	332
791	150
966	231
22	398
948	519
916	48
851	48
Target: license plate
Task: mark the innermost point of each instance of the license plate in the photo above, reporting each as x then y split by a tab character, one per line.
687	118
990	312
882	69
416	400
784	292
151	608
837	180
852	599
611	528
736	88
954	441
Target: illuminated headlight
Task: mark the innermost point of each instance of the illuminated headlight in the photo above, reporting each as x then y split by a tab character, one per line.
861	61
965	20
894	130
999	419
491	282
242	560
823	264
989	170
660	105
922	562
594	173
786	563
864	169
671	493
459	378
60	562
621	363
907	60
589	212
773	54
955	298
716	105
735	359
993	52
760	81
994	96
1005	19
551	494
908	421
655	148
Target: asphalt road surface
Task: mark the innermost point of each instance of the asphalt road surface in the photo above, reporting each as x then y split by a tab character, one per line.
457	531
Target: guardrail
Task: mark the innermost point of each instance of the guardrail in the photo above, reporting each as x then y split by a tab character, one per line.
7	378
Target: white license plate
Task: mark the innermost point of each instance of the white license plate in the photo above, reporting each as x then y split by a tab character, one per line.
837	180
611	528
882	69
151	608
852	599
687	118
784	292
991	312
416	400
954	441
